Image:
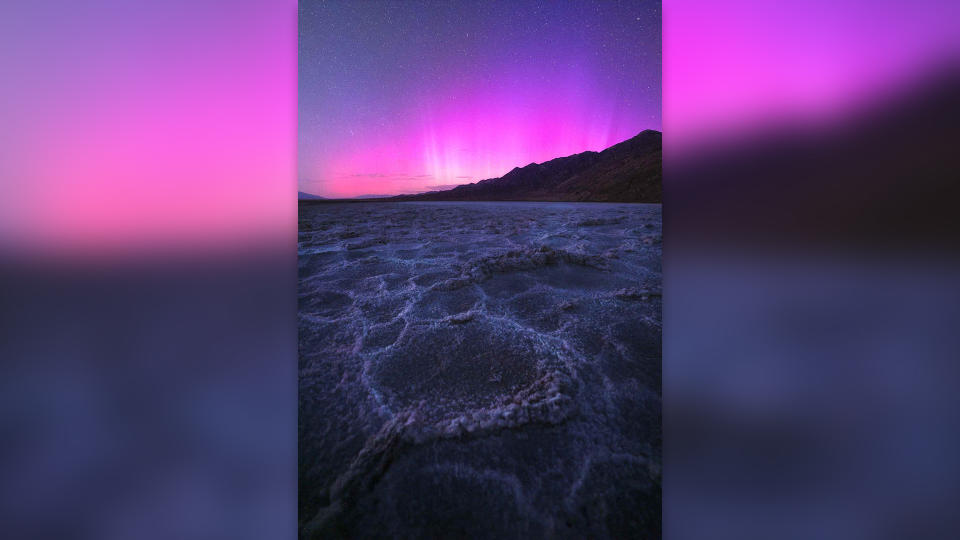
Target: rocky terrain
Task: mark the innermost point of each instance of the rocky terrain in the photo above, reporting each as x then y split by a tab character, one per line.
483	370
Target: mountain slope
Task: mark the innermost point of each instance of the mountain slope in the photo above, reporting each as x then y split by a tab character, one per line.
630	171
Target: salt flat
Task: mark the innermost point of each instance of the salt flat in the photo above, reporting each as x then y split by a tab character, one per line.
479	367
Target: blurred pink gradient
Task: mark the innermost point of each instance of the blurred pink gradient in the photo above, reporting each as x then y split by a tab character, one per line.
733	69
478	133
136	127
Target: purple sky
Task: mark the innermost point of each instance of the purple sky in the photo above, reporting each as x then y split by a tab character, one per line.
401	97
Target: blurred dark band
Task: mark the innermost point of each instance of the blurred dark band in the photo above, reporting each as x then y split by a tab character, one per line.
812	297
880	177
151	399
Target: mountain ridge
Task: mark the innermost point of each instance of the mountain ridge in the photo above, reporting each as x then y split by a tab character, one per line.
629	171
304	196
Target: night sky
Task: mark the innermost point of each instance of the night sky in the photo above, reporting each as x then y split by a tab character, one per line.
402	97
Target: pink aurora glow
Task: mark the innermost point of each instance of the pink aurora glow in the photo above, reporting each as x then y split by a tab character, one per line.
476	137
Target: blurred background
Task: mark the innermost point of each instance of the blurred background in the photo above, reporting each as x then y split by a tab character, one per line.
810	269
147	269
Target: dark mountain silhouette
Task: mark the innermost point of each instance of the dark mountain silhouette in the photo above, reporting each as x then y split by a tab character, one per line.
630	171
303	195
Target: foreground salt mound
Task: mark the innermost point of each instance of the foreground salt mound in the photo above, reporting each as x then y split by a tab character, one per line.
527	258
468	365
473	375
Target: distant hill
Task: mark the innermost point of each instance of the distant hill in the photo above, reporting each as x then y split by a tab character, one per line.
302	196
630	171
